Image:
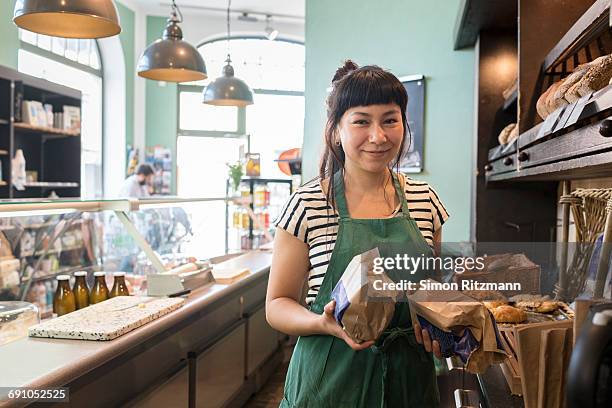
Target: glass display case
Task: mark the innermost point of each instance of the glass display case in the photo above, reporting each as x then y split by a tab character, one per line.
41	240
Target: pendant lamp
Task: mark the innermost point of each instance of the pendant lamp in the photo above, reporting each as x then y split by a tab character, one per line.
170	58
68	18
227	90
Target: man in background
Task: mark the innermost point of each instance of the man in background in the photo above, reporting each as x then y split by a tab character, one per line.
138	184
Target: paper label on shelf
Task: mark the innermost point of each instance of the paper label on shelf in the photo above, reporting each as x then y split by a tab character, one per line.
579	106
550	122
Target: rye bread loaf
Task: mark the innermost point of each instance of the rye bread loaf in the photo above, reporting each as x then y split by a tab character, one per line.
550	100
541	104
558	99
597	77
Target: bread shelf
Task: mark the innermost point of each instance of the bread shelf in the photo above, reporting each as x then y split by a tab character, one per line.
589	26
48	130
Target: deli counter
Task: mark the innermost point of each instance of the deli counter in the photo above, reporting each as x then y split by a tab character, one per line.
215	350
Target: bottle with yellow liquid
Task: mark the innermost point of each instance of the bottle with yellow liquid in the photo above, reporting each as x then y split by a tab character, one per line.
63	301
119	286
80	290
99	292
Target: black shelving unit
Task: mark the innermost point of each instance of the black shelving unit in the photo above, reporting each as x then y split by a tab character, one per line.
53	153
252	182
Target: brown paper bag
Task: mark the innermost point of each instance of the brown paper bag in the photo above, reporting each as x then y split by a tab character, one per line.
453	311
550	381
363	312
529	338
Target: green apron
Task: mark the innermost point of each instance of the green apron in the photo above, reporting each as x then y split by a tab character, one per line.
324	371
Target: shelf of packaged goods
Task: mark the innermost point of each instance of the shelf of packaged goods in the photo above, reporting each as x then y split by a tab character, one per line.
589	26
25	127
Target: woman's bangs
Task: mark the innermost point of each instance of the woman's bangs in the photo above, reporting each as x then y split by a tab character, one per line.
372	88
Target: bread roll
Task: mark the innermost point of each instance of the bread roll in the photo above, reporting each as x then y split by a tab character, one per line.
503	135
508	314
597	77
492	304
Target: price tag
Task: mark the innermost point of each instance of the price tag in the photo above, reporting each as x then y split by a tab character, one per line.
550	122
580	104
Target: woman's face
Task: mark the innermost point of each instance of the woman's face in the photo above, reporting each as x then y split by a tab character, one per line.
371	136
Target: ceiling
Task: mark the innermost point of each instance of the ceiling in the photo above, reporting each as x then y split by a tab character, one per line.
284	8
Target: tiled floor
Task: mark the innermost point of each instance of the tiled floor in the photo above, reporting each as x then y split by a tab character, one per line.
271	394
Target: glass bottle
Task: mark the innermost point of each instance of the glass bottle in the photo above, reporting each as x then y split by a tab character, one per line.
63	301
119	286
80	289
99	292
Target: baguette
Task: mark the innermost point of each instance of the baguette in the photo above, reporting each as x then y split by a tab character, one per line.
541	104
503	135
514	134
550	100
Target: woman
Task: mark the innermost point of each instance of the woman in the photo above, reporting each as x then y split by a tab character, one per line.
358	202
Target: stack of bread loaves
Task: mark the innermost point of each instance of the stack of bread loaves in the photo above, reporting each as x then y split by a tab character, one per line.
586	78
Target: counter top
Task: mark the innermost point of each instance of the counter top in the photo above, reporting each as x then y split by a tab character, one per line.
39	362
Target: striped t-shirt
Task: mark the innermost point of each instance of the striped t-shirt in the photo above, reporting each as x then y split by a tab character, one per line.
308	216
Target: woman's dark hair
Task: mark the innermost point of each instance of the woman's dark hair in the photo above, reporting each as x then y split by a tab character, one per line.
357	86
145	169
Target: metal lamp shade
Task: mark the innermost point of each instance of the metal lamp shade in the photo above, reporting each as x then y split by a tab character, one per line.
68	18
227	90
172	60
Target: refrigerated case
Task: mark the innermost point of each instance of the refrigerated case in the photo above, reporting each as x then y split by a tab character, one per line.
41	240
252	229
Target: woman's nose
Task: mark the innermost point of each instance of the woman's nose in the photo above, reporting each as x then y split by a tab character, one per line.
377	135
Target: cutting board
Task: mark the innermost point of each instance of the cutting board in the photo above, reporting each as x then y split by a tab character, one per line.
229	275
107	320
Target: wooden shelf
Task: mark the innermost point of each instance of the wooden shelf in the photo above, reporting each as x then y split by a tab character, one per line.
476	15
511	100
41	129
584	31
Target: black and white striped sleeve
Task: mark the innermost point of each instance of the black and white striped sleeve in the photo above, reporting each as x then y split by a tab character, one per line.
292	217
440	215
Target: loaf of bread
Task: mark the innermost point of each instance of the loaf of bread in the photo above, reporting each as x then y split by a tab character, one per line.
597	76
551	102
541	104
514	134
503	135
558	99
508	314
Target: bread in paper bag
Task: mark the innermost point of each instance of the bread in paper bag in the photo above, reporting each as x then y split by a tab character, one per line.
462	325
362	312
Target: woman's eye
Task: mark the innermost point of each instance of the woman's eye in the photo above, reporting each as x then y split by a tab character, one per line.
360	122
391	121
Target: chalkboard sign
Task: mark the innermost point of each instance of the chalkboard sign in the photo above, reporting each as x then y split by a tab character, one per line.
412	159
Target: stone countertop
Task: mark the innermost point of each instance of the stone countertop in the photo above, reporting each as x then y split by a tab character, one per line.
41	362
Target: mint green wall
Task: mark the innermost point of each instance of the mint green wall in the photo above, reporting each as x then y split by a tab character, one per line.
9	36
126	37
406	37
161	103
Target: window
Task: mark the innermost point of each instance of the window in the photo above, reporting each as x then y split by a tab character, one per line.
275	72
75	64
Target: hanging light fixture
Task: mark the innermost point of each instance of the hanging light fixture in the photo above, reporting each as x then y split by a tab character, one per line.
170	58
271	33
68	18
227	90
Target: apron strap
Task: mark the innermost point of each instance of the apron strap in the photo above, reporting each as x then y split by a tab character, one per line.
339	195
389	336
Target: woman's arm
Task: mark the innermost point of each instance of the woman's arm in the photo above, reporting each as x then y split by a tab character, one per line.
288	273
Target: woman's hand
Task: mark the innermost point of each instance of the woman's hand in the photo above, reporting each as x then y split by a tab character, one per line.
331	327
422	337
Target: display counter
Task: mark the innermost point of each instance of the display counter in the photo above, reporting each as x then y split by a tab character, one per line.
215	349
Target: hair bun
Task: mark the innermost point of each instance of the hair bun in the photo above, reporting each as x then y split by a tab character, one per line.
348	67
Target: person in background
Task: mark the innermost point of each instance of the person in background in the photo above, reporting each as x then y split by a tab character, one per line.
138	185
